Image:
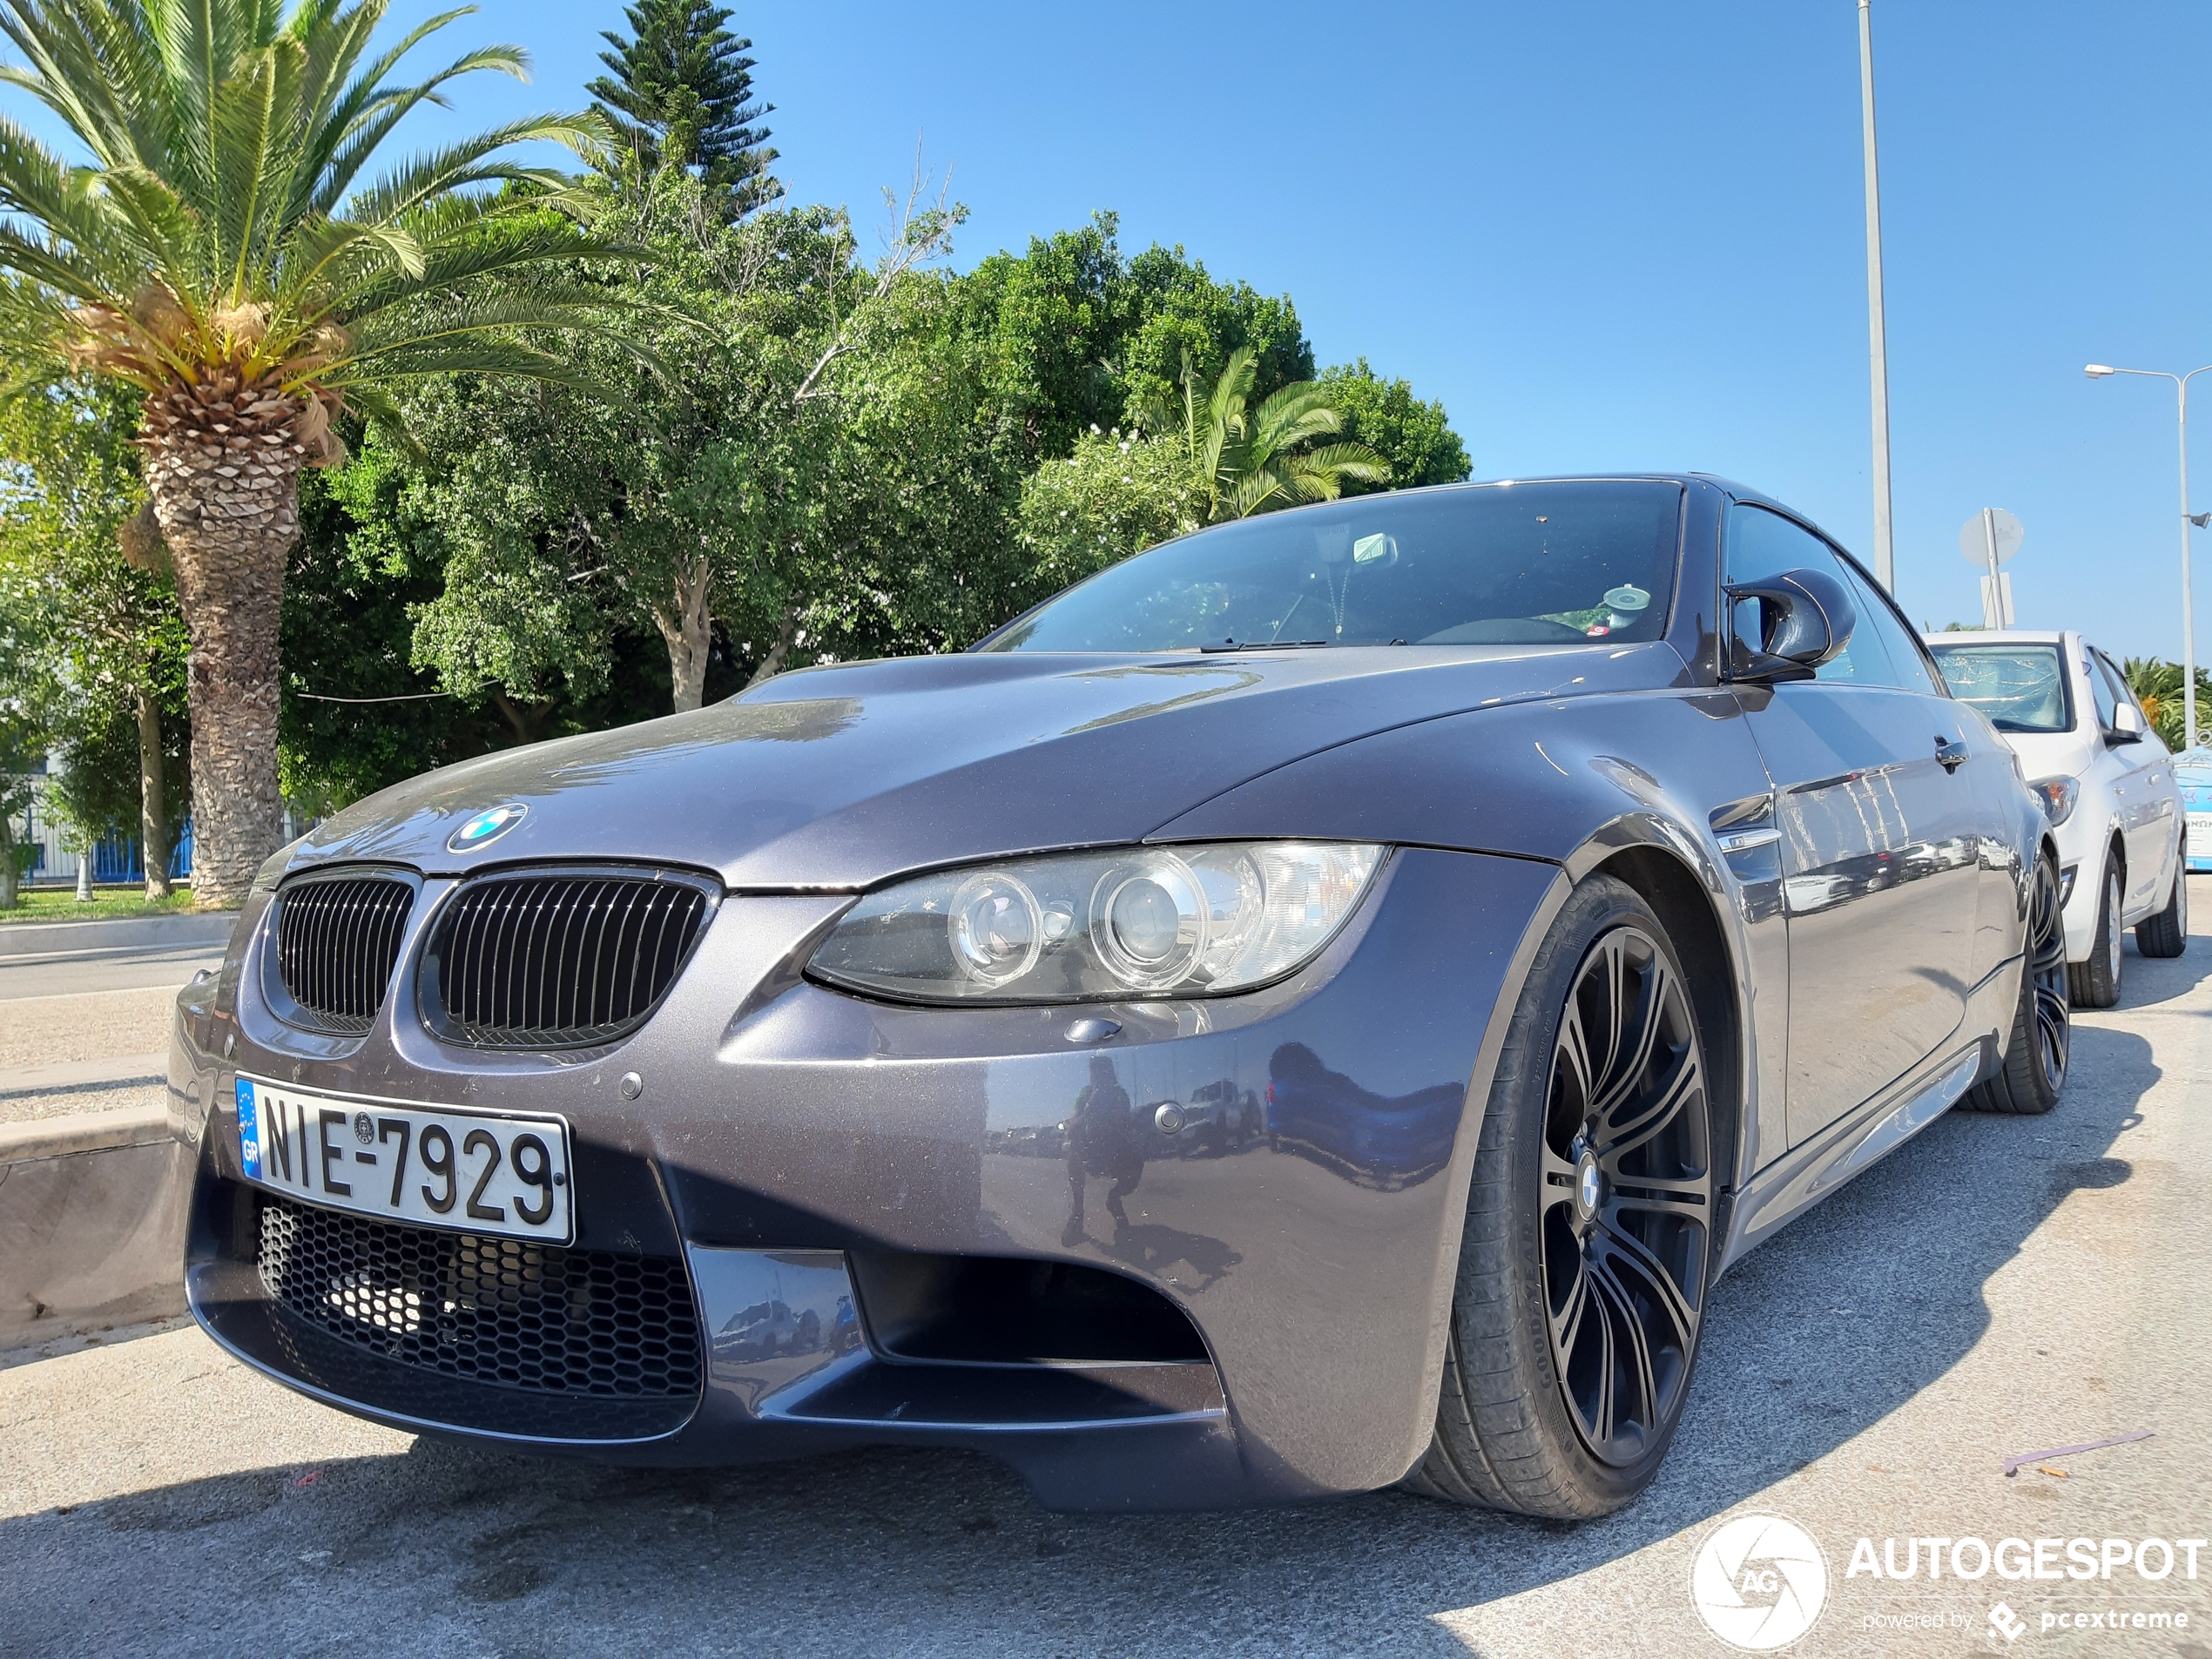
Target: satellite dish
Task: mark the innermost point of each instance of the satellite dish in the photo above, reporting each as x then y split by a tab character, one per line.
1974	536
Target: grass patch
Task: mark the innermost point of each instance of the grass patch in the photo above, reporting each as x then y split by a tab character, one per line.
107	904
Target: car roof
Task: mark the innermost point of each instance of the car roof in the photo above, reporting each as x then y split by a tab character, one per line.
2001	636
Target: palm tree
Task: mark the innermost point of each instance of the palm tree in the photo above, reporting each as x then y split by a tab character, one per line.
1254	461
2157	686
219	253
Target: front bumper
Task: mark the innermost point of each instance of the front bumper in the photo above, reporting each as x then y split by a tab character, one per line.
795	1149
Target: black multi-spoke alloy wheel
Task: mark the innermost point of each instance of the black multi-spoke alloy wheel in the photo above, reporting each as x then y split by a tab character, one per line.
2095	983
2167	933
1588	1242
2033	1073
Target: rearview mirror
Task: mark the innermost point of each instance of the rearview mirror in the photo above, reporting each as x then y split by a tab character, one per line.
2127	726
1805	619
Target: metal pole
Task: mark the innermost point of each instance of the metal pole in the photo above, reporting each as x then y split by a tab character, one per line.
2189	614
1884	557
1993	610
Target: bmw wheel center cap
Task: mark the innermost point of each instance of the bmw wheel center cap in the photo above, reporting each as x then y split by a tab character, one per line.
1589	1190
486	827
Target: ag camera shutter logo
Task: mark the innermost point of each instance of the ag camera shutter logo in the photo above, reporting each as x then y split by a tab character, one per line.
1758	1581
486	827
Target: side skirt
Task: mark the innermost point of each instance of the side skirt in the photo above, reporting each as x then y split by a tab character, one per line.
1805	1175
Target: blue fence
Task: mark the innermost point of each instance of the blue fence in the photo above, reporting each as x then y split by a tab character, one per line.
118	859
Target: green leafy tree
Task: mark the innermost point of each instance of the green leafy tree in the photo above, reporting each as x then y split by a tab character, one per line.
222	253
1113	497
784	486
1079	336
679	92
1184	321
23	638
107	679
1413	437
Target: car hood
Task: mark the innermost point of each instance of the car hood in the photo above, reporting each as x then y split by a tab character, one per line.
2051	754
841	776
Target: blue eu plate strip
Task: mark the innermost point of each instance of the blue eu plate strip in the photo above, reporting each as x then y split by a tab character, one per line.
249	1130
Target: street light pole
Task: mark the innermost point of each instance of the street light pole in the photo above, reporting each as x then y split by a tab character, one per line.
1878	348
2097	371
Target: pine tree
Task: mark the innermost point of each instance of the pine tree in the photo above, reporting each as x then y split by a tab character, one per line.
680	92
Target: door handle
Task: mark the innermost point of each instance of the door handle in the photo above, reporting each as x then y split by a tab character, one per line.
1949	755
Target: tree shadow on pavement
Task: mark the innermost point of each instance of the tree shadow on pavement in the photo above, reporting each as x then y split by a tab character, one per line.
1818	1335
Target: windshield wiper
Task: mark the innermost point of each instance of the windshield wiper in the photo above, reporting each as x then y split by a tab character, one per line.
1264	644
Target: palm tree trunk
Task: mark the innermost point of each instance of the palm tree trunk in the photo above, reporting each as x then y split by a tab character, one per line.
153	818
223	467
687	624
7	861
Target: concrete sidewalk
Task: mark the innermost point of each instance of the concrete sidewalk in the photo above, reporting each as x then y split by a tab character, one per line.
91	1217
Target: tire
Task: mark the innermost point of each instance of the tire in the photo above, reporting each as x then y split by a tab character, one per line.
2033	1073
2167	933
2095	983
1574	1328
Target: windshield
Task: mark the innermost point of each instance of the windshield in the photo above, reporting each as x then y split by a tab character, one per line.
2021	687
1567	563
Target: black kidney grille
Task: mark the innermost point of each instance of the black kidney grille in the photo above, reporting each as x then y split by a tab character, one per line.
337	942
562	959
503	1310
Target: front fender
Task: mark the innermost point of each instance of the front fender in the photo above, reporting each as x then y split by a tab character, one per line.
1576	783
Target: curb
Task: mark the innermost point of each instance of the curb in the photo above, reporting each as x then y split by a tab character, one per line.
75	1076
129	933
92	1224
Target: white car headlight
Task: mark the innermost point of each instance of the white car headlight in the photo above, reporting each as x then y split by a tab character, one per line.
1137	922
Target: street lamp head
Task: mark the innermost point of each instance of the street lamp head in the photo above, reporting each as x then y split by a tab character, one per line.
2098	371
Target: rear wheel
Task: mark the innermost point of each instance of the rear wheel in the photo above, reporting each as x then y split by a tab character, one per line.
1583	1267
2095	983
2033	1072
2167	933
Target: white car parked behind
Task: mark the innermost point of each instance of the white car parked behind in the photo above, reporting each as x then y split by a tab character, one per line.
2105	779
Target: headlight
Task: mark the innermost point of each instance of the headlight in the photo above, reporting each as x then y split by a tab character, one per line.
1142	922
2058	796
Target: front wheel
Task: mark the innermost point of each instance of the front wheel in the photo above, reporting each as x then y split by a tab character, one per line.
1588	1240
2095	983
2033	1072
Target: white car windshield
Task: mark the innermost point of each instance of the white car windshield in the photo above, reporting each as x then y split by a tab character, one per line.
2021	687
1583	563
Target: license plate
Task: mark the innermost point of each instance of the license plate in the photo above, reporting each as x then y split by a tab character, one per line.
2200	835
474	1172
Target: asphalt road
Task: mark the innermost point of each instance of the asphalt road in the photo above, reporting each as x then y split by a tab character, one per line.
1997	1286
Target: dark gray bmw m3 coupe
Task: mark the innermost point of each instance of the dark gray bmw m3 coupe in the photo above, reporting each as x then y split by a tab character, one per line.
1315	1006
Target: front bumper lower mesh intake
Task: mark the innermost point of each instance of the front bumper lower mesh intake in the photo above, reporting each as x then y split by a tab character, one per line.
559	960
506	1312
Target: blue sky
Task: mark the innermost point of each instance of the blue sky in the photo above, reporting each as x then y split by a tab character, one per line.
1607	235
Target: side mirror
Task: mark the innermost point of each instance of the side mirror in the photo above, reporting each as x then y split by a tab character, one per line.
1805	619
2127	726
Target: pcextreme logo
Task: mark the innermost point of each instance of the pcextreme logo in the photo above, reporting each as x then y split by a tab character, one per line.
1758	1581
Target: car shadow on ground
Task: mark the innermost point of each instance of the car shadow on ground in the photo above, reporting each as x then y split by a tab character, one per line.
1820	1334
